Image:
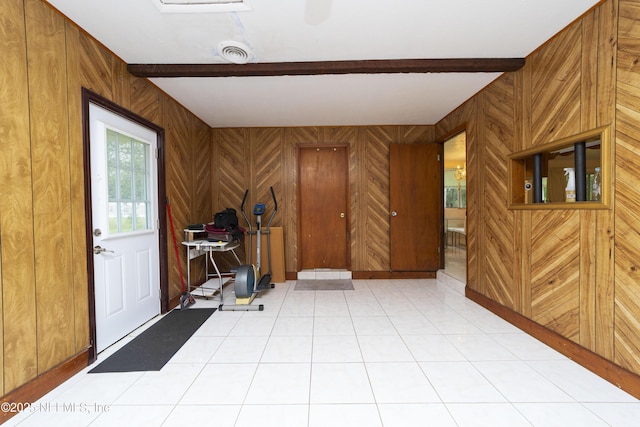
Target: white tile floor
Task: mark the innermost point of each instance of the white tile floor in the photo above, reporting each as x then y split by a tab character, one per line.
389	353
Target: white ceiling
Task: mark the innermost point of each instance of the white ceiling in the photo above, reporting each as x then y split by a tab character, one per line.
325	30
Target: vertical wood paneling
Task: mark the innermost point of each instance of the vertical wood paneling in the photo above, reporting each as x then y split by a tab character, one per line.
19	351
43	271
78	217
51	184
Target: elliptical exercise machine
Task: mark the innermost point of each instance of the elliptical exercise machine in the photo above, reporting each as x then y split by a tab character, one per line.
249	281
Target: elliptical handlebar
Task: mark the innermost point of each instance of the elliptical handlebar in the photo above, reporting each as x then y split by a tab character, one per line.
275	202
244	215
244	199
275	207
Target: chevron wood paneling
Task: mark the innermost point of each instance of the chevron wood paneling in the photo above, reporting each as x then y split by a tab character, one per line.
179	182
474	167
266	153
558	267
555	271
498	225
201	146
417	134
377	140
555	87
607	64
200	209
627	191
293	137
569	85
263	157
230	166
349	135
96	71
305	135
145	100
627	268
466	117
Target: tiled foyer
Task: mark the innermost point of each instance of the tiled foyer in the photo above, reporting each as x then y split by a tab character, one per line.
388	353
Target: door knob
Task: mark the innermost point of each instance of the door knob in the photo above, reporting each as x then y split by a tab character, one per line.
394	213
341	214
99	249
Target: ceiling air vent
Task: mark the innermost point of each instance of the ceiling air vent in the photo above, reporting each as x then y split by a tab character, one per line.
235	52
199	1
200	6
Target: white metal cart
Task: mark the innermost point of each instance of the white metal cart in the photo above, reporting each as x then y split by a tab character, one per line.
214	280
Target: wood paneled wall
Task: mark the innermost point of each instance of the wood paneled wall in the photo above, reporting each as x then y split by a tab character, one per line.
46	61
257	158
627	219
574	272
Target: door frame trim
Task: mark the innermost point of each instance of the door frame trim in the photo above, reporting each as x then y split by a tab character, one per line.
447	136
89	97
348	201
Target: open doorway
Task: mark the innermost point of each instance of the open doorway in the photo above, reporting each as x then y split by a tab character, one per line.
455	206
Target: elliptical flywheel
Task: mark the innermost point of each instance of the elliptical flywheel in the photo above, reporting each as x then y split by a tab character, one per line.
245	281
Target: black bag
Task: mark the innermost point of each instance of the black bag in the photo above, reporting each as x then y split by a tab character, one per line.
228	220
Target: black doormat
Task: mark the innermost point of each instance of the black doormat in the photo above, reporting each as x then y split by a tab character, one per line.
324	285
153	348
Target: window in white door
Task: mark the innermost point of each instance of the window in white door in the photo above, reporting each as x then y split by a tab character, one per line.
128	169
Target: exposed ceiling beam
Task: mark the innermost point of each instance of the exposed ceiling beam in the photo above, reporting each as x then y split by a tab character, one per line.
381	66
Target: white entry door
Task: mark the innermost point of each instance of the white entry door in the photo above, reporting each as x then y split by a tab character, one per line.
125	232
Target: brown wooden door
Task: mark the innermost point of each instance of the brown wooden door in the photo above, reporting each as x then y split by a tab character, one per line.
416	206
323	182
